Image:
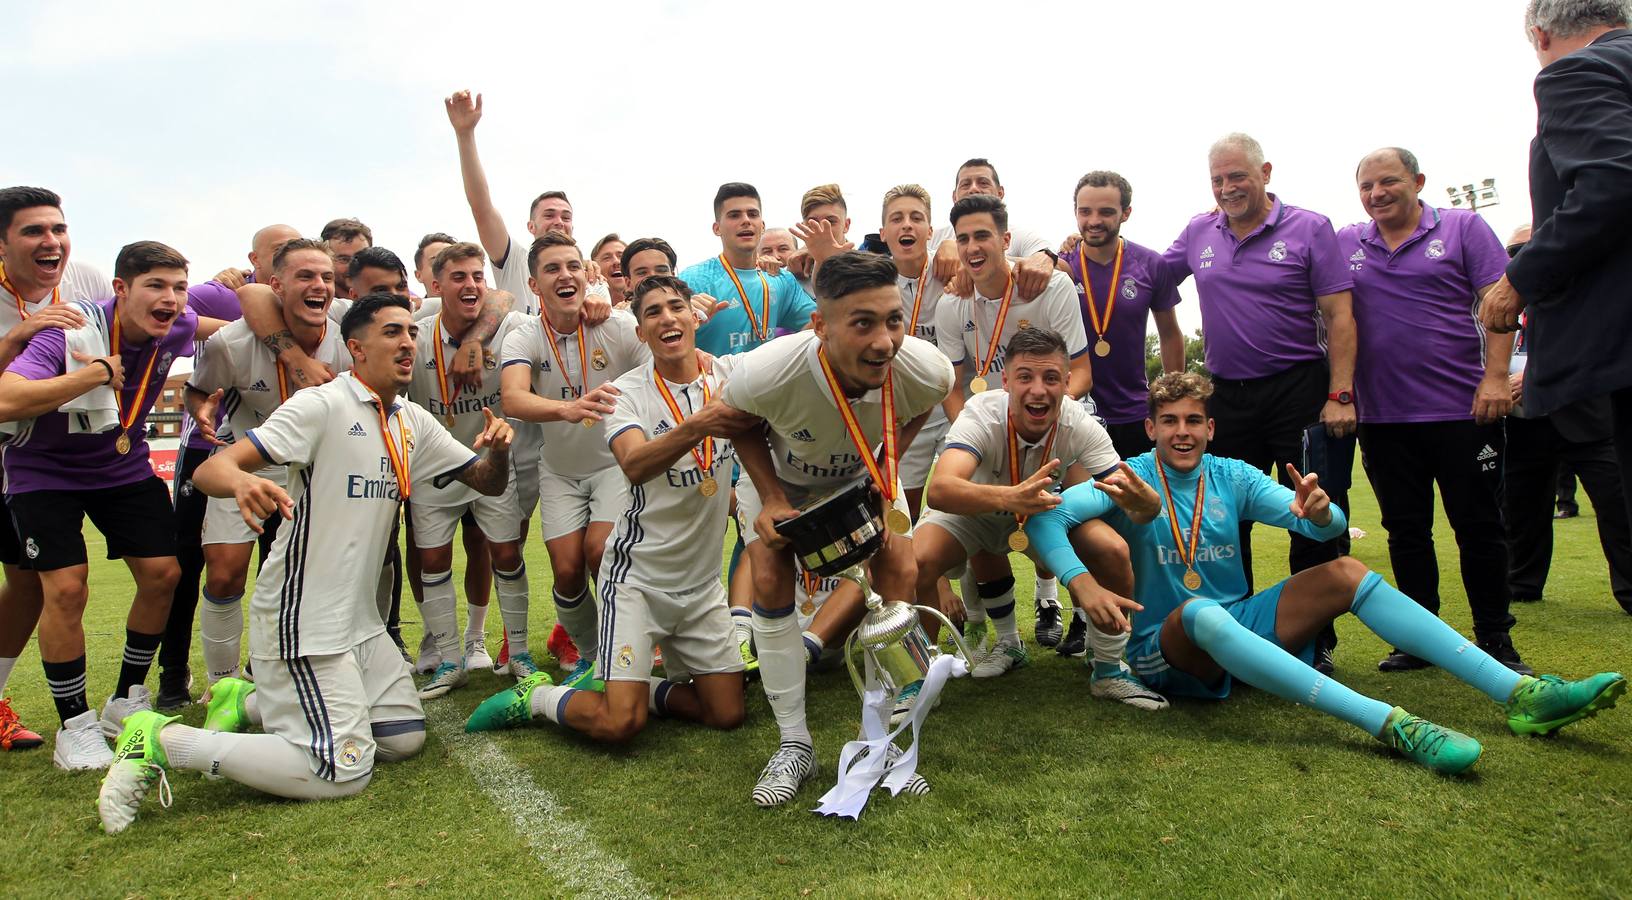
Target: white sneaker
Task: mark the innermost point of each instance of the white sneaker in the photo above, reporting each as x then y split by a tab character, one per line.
521	665
476	655
429	658
1125	687
80	744
791	766
977	636
1006	654
448	676
137	699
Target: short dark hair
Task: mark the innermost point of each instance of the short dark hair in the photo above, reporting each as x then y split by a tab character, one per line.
730	191
544	242
375	258
658	282
981	203
345	230
981	162
1101	179
139	258
295	244
547	195
641	245
1031	341
362	313
14	200
455	252
1406	158
607	239
852	271
435	237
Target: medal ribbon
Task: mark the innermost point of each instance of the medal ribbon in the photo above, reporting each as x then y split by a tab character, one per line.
22	309
883	476
583	359
128	415
399	457
705	459
441	367
918	299
1188	558
1088	289
997	330
760	328
1015	456
283	374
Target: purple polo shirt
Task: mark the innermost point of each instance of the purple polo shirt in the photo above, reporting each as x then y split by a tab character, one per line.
1146	285
47	458
1421	350
1258	295
213	300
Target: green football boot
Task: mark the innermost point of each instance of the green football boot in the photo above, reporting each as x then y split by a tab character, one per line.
226	710
508	708
1545	704
138	763
1435	746
582	677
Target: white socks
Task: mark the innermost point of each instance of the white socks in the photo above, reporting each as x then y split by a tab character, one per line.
441	614
577	616
265	762
475	624
7	663
221	625
1106	649
782	672
1047	591
512	590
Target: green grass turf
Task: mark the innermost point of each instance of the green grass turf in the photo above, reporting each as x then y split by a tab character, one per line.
1038	789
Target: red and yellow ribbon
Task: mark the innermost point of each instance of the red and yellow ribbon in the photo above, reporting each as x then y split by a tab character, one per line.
705	458
398	455
1016	457
442	368
883	474
760	328
22	308
1088	289
129	415
283	373
918	298
583	358
997	330
1187	553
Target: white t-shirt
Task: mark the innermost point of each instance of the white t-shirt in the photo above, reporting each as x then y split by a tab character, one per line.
610	349
1022	243
238	364
782	383
465	406
982	429
80	281
512	276
926	304
315	595
660	541
963	326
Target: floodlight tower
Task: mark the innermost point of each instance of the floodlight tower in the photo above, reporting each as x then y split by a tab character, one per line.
1474	196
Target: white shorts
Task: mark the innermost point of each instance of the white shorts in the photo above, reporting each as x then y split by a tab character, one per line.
524	455
987	532
224	523
748	504
333	707
920	457
693	626
567	505
499	518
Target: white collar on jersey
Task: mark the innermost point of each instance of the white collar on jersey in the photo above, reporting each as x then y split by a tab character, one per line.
815	365
361	391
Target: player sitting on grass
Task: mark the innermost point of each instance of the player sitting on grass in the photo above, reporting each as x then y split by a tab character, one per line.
655	585
1199	629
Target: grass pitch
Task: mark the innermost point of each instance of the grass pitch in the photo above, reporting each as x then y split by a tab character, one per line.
1038	789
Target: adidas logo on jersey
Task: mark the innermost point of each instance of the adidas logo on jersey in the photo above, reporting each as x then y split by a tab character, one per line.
1207	252
259	386
544	366
357	430
804	434
1359	256
663	427
1487	454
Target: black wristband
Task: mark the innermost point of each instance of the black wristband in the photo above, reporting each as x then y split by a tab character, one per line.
106	365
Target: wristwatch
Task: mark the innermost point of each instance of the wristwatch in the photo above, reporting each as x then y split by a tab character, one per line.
1341	397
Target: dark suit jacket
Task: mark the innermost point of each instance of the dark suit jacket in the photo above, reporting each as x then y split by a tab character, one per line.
1576	272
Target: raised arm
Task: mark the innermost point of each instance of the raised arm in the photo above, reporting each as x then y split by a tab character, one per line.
464	112
490	475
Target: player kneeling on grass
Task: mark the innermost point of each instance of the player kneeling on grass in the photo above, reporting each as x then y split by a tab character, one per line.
660	580
333	693
1003	461
1200	629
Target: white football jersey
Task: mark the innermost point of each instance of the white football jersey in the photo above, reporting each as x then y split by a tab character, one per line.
430	386
963	325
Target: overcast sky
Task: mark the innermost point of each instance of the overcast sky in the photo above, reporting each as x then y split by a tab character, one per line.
195	123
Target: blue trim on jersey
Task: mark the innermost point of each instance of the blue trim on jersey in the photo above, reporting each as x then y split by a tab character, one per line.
516	362
447	478
400	726
959	445
1079	352
294	572
771	613
611	437
262	448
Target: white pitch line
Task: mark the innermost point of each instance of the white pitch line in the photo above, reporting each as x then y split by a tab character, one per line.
579	864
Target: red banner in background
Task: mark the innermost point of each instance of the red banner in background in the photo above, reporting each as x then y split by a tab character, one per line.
164	463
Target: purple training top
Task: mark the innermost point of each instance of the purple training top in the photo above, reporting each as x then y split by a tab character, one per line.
1421	350
1146	285
45	457
1258	294
212	300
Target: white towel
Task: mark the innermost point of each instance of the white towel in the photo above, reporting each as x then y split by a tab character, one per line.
96	410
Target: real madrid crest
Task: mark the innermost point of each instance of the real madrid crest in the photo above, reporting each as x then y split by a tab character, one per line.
1278	252
1129	289
597	360
489	361
1436	249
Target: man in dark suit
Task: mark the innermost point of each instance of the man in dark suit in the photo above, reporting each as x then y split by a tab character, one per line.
1574	277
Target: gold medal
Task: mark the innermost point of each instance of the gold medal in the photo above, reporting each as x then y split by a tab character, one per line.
122	444
588	423
897	521
1102	348
1187	551
708	487
1192	579
448	420
808	608
703	453
1018	542
977	385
